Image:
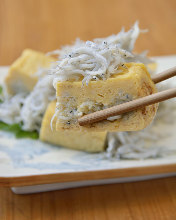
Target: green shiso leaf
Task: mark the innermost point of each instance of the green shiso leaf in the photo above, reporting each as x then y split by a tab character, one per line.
19	133
16	128
27	134
1	90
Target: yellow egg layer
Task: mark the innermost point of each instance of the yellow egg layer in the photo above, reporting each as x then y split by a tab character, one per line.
21	76
75	100
85	141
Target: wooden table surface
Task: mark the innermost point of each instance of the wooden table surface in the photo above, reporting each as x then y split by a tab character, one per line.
45	25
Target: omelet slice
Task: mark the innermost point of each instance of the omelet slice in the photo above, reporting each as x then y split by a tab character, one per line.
85	141
75	100
21	76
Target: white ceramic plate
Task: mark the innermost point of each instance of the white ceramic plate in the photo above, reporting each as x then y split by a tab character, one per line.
30	166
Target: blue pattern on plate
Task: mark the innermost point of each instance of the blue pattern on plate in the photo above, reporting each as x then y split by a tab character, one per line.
27	153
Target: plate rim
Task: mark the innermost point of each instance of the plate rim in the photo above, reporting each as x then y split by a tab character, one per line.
39	179
36	179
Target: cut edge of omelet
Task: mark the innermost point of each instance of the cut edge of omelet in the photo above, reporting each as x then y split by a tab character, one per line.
78	140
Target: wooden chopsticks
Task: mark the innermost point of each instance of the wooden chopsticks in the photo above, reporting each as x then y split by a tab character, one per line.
164	75
135	104
127	107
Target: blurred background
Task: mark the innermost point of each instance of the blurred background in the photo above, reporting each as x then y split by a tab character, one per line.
45	25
